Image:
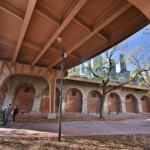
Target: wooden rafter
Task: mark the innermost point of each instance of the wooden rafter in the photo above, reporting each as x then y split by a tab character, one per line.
11	10
66	21
25	24
111	15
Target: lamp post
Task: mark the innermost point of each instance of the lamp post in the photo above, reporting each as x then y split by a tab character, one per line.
61	89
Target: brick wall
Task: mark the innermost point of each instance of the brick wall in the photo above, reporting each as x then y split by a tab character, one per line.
24	97
130	104
113	102
73	101
3	94
93	101
145	104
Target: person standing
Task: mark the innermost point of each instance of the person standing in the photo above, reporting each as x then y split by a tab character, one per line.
7	112
4	111
15	112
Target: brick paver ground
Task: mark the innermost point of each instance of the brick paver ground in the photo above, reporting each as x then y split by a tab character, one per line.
139	125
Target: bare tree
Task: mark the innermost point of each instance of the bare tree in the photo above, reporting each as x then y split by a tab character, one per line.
102	71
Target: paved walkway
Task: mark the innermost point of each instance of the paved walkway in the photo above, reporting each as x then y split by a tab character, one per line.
137	126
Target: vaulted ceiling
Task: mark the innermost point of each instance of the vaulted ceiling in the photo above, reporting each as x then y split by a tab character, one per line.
29	29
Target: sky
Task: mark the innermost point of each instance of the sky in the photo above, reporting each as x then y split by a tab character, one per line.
140	38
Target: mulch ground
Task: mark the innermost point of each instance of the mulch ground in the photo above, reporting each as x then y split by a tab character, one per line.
42	118
121	142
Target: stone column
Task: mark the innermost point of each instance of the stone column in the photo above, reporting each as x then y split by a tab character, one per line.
63	105
8	100
36	104
140	106
105	107
123	105
84	105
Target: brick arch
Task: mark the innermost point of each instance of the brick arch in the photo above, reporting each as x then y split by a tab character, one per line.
24	97
145	104
3	92
131	103
114	102
44	105
73	101
93	101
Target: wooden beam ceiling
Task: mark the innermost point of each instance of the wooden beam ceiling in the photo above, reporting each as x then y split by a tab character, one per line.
25	24
66	21
11	10
114	11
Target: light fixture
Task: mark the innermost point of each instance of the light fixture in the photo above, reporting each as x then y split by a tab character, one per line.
59	39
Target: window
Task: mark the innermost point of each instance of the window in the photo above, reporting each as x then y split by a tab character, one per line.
111	96
93	94
27	89
73	93
127	97
142	99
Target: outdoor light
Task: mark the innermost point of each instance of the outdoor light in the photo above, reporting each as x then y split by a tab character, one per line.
59	39
63	54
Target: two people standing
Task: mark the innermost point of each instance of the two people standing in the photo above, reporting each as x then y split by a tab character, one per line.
7	111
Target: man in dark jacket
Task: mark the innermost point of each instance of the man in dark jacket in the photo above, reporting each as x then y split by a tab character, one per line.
4	111
15	112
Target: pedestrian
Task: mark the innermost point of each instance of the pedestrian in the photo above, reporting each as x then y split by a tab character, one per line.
6	106
15	112
6	114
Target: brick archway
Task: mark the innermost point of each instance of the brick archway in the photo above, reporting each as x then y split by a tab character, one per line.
24	97
44	105
131	103
145	104
3	92
93	101
73	101
114	102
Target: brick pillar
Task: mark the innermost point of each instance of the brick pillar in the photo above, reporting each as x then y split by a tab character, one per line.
63	105
84	105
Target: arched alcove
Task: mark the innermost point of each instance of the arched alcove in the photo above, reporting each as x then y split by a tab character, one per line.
44	105
93	101
114	102
131	104
73	101
24	97
145	104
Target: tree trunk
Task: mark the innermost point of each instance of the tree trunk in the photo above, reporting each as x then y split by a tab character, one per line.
102	107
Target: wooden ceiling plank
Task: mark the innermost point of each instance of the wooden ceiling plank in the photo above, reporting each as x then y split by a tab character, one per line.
46	15
32	45
11	10
111	15
7	41
25	24
66	21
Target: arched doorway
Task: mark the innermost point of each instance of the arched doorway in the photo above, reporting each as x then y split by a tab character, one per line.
3	92
73	101
44	105
145	104
131	104
114	102
24	97
93	101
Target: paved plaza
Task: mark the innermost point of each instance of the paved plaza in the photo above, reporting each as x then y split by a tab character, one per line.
138	125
